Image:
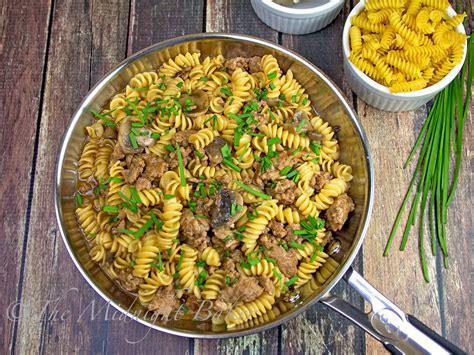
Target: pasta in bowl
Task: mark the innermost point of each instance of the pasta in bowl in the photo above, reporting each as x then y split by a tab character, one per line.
399	54
210	177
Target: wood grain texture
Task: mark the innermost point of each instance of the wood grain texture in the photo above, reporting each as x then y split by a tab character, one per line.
54	316
22	61
457	282
399	275
155	21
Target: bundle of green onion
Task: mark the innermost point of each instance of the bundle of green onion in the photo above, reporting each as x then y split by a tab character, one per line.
441	140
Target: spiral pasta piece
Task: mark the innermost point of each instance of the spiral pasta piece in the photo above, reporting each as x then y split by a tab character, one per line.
287	215
329	192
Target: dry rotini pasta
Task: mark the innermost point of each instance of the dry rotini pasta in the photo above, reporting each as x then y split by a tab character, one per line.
406	45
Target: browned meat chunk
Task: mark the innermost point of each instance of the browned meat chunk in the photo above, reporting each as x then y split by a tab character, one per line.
286	261
237	62
270	175
267	240
173	157
267	284
278	229
228	266
225	179
255	64
155	166
220	306
236	256
182	138
284	159
203	206
291	236
128	281
136	168
164	301
320	179
143	184
245	290
195	229
193	303
117	154
285	192
337	213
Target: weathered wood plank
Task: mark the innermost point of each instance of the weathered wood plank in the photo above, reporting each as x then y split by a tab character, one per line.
155	21
239	17
399	275
152	22
22	59
456	282
50	277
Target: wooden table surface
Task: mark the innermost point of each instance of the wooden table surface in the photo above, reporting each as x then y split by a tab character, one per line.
51	53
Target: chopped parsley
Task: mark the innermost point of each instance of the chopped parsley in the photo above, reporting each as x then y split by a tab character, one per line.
253	191
270	260
291	281
226	91
170	148
201	263
272	75
296	245
182	176
315	147
201	279
234	208
260	94
79	199
110	209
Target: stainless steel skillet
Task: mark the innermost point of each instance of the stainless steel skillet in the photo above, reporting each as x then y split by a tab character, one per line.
387	323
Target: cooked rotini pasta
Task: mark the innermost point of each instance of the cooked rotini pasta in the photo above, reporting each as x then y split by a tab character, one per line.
213	179
406	45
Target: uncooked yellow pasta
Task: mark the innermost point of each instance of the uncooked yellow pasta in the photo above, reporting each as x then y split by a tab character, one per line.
406	45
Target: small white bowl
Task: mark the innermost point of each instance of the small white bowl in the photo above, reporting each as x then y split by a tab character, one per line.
378	95
305	17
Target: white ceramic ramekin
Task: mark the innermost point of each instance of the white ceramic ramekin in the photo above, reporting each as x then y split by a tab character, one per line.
378	95
297	20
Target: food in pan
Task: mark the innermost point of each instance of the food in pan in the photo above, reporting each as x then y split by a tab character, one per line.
406	45
212	180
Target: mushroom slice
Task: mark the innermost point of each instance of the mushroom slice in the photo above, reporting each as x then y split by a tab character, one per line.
221	213
144	140
196	104
124	137
213	150
275	101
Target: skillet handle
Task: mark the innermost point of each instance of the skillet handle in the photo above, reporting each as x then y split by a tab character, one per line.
398	332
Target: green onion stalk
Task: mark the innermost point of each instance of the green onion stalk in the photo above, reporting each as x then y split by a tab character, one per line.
432	187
